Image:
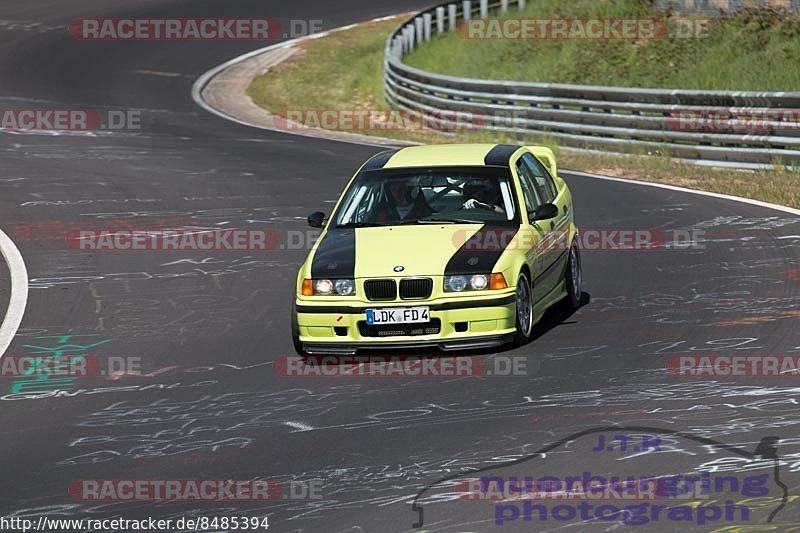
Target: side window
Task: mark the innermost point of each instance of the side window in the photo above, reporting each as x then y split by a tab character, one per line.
541	178
532	199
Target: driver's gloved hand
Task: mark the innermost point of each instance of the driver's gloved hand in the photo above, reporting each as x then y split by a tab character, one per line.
472	203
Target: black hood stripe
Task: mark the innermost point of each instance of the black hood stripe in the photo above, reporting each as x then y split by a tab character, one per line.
480	253
336	255
378	161
500	155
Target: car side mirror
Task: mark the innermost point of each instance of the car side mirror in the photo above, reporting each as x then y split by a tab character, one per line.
316	219
545	212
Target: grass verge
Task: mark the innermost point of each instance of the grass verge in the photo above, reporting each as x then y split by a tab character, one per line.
751	51
344	72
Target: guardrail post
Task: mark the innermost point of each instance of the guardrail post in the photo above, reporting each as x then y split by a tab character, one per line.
451	15
440	19
397	47
503	6
408	34
467	8
418	29
427	22
484	9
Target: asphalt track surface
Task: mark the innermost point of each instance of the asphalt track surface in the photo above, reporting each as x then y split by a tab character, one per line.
207	327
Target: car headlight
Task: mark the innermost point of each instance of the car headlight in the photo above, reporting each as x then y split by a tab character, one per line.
455	283
479	282
323	287
474	282
344	287
328	287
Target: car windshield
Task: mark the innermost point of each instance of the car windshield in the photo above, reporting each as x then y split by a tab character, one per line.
390	197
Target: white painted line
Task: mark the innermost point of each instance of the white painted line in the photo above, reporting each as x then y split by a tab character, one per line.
299	425
19	291
728	197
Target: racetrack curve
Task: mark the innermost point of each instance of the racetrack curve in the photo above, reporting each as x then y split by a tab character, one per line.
207	327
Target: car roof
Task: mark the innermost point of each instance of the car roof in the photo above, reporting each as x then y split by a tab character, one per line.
439	155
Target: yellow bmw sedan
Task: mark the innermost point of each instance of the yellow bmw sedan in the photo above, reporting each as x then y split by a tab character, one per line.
454	247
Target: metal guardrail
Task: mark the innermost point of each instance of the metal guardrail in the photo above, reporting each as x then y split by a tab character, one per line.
753	128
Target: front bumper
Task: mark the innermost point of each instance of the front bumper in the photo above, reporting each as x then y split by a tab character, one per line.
463	324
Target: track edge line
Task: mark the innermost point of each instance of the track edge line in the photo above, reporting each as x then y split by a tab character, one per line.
721	196
18	300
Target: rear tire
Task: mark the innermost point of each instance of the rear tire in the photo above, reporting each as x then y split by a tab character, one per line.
298	346
524	310
573	277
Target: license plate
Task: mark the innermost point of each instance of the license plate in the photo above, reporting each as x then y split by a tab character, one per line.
398	315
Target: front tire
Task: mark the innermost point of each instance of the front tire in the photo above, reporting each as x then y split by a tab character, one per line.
298	346
524	310
573	277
